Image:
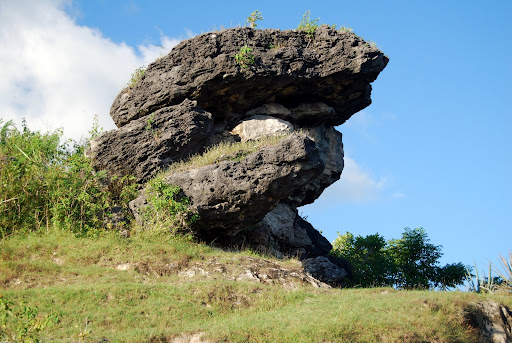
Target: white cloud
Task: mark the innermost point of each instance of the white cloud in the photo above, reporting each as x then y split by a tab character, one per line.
355	186
56	73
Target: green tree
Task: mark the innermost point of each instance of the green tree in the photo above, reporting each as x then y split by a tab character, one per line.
450	275
409	262
414	259
368	257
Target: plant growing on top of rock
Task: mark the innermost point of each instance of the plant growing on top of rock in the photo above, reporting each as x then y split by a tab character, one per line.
244	58
136	76
346	29
253	18
370	44
307	25
224	151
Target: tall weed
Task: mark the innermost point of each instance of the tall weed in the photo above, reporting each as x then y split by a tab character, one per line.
45	181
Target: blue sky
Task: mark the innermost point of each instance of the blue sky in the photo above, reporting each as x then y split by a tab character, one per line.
432	151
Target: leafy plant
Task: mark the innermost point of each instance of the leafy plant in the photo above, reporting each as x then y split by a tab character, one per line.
22	323
169	207
485	284
149	122
309	26
253	18
137	76
450	275
491	284
96	130
122	189
415	259
245	58
473	286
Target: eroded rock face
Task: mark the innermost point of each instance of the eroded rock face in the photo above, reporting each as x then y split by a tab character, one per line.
335	68
282	232
330	147
153	142
233	195
323	269
197	96
493	320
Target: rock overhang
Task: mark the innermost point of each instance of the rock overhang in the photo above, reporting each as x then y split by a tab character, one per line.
335	68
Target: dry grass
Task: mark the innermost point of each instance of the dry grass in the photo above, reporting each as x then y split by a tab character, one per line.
234	151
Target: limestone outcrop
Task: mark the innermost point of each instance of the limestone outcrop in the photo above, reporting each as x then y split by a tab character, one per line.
259	126
290	69
148	144
298	87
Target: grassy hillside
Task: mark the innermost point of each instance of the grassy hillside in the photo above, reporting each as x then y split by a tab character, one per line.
68	275
155	287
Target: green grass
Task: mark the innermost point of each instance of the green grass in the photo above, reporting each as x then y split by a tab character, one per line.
80	279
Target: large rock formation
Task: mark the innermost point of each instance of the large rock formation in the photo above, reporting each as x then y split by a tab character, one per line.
198	96
335	68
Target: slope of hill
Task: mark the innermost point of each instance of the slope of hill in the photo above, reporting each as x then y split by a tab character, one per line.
156	287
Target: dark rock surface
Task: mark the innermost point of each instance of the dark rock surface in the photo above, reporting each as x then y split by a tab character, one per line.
198	96
323	269
282	232
232	195
152	142
335	68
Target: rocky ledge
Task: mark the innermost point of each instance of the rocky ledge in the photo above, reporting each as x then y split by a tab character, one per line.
197	96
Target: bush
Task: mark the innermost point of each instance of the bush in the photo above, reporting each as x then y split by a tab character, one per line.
409	262
168	207
46	182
